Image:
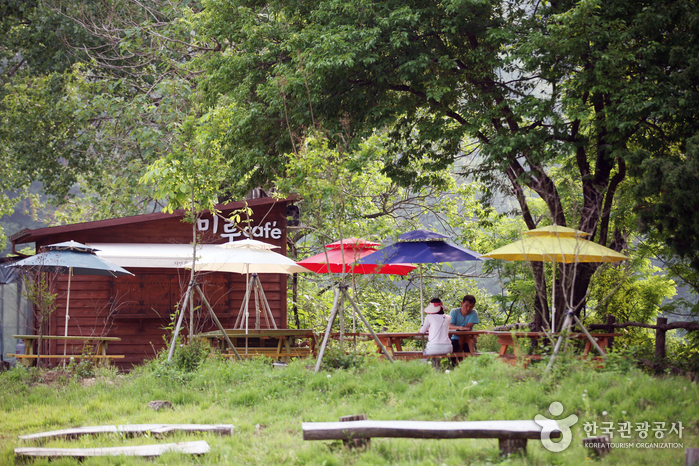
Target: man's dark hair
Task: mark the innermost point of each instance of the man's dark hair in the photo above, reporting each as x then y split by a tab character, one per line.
470	298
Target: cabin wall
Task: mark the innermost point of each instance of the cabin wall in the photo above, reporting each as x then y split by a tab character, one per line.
138	308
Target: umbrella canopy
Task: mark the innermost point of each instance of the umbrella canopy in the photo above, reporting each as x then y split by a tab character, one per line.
555	244
70	258
245	256
421	247
349	253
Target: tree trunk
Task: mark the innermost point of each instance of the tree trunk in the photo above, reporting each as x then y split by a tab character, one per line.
660	332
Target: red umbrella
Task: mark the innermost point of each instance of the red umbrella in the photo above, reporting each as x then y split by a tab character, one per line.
347	252
352	249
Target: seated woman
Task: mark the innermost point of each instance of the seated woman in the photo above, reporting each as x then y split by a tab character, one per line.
437	324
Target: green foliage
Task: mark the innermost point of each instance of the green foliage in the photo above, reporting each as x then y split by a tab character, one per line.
337	357
668	198
186	360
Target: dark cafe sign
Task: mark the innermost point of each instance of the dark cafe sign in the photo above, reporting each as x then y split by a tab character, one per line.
229	229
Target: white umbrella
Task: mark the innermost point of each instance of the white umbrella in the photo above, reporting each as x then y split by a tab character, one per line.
247	257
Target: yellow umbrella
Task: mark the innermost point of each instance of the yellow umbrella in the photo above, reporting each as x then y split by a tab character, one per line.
555	244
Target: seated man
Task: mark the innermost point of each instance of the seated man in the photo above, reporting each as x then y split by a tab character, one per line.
462	318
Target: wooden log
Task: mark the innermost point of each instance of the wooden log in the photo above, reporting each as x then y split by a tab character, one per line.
427	429
356	442
194	448
132	430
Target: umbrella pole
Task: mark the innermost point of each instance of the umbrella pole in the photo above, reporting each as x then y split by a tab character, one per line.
331	320
553	300
185	302
570	315
371	330
247	304
422	307
65	342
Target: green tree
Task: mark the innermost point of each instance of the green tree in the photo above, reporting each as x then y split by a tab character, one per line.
523	86
90	95
343	193
40	290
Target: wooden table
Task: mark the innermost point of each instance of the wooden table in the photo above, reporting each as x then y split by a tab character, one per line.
394	341
100	344
286	342
506	340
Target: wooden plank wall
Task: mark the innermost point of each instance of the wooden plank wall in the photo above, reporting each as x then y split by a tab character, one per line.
137	308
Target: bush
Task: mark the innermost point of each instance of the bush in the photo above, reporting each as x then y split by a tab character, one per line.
186	360
337	358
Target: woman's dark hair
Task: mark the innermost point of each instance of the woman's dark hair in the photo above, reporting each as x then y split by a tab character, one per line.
441	311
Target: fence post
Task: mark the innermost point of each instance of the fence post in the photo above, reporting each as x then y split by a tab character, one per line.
611	320
660	332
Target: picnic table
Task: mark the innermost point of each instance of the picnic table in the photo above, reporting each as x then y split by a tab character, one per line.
506	340
393	341
99	352
253	342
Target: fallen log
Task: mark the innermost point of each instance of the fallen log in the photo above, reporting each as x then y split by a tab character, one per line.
132	430
194	448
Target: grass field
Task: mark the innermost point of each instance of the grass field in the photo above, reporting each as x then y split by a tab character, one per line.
267	405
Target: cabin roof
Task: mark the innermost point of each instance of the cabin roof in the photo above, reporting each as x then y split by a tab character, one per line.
27	235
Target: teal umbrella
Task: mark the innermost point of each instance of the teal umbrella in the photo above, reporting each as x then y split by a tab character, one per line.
72	258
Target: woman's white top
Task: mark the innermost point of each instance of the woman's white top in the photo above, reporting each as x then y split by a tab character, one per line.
438	326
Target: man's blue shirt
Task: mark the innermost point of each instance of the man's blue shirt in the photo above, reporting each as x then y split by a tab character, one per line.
461	321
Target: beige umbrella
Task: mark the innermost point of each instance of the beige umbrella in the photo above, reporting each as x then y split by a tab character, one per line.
249	257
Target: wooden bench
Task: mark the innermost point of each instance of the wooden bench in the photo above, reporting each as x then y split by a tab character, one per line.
420	355
97	343
271	352
512	435
103	357
436	358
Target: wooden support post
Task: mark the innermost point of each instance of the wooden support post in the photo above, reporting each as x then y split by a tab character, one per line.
331	320
611	320
600	446
218	323
176	332
660	338
691	456
509	446
356	442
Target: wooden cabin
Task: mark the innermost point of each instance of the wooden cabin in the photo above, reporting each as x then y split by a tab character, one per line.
139	308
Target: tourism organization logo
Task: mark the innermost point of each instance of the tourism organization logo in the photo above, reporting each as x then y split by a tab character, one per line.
647	432
556	409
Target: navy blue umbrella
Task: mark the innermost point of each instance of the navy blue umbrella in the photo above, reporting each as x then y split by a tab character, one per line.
421	247
70	258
